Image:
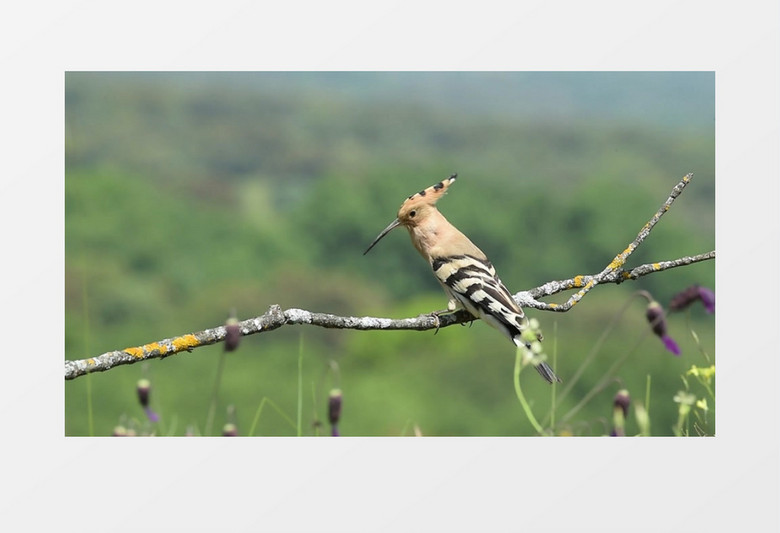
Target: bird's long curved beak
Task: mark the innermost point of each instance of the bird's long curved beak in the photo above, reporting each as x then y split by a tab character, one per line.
394	224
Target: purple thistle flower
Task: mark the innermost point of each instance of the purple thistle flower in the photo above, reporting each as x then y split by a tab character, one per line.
334	406
144	387
232	334
622	401
657	318
334	411
151	415
670	344
684	298
707	299
620	413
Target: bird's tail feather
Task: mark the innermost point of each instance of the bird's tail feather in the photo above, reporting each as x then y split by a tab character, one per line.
547	373
543	368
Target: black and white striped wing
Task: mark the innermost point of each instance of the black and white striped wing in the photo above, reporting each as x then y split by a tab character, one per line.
473	283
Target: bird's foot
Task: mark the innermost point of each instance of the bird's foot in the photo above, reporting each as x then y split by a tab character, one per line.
437	320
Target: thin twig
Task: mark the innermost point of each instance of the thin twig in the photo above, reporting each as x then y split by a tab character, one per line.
614	270
530	297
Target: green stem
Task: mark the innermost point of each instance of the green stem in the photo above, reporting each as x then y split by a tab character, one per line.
647	397
521	397
696	337
681	418
605	380
214	394
314	408
597	347
260	410
554	387
300	383
90	419
707	388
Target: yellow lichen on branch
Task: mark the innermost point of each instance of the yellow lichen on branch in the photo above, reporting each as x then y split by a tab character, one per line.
163	348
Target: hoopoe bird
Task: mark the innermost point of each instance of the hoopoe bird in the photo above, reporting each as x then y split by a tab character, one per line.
463	270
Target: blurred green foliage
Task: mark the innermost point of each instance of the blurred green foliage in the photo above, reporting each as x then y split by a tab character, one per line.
188	195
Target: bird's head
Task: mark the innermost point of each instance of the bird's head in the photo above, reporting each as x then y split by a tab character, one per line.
417	208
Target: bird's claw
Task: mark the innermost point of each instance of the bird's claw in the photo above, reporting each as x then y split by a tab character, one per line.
438	322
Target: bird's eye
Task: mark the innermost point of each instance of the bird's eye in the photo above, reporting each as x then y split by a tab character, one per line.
412	213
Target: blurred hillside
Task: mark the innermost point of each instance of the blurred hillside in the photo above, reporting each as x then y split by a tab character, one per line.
190	194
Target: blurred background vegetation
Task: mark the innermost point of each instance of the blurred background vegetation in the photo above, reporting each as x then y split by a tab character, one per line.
191	194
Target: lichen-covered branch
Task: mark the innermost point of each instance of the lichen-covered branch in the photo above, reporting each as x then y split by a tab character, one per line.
613	272
275	317
272	319
531	297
